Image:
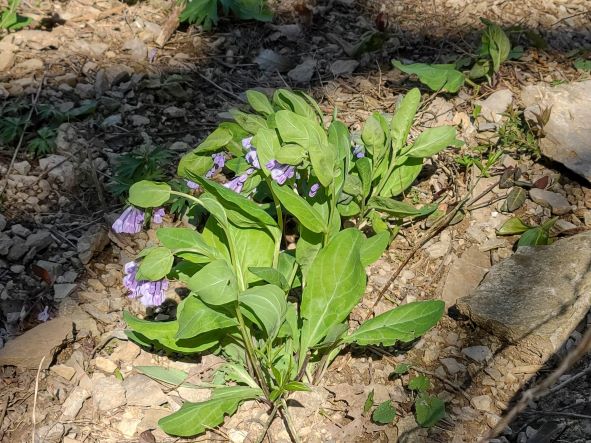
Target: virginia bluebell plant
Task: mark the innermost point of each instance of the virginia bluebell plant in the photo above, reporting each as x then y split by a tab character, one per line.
277	316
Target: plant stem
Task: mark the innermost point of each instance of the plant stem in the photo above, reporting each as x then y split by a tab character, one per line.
290	425
279	213
268	423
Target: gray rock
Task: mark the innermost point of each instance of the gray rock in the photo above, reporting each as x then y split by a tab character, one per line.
92	242
60	170
17	250
452	366
90	49
558	203
495	105
22	168
6	243
84	90
465	274
303	72
52	268
482	403
179	147
479	354
174	112
36	39
32	64
101	83
137	49
39	240
537	296
143	391
139	120
2	222
270	61
568	131
20	230
74	402
108	393
6	60
17	269
343	67
51	433
62	290
112	120
118	73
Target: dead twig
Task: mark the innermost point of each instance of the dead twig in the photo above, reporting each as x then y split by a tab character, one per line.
172	22
537	391
35	398
4	409
559	386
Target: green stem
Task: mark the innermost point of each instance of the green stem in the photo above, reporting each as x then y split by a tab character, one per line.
279	213
290	425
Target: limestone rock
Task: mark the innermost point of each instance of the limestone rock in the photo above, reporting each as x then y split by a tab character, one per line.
27	350
74	402
465	274
537	296
143	391
567	132
495	105
91	242
108	393
556	202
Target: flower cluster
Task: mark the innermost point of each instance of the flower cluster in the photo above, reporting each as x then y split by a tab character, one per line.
280	172
132	219
150	293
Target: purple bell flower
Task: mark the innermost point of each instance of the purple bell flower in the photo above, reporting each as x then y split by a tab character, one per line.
313	190
150	293
129	222
218	163
43	315
192	184
247	143
358	152
251	153
157	216
280	172
237	182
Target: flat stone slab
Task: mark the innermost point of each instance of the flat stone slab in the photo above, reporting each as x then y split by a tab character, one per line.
537	296
568	132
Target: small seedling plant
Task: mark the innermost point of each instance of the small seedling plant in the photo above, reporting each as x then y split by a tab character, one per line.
529	235
10	20
205	12
279	317
495	49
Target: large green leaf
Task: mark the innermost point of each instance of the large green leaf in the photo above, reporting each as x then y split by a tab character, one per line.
196	418
259	102
215	284
193	164
372	248
266	306
254	248
197	318
163	334
402	120
236	202
339	139
156	264
307	248
402	177
373	136
267	145
311	136
496	41
394	208
291	101
335	284
365	174
171	376
214	141
149	194
270	275
249	122
436	77
186	238
429	410
433	140
404	324
513	226
300	208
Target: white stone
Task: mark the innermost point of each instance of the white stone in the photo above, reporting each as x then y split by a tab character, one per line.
482	403
105	365
479	354
108	393
64	371
74	402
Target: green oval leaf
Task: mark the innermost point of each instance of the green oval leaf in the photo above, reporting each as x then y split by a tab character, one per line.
402	177
372	248
513	226
149	194
429	410
197	318
404	324
385	413
266	306
156	264
433	140
259	102
215	284
186	238
300	208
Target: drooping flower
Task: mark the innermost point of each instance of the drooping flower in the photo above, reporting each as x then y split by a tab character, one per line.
192	184
43	315
251	153
237	182
129	222
247	143
150	293
218	163
313	189
280	172
158	215
358	152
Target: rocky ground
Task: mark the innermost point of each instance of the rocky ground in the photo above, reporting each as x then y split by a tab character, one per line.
60	264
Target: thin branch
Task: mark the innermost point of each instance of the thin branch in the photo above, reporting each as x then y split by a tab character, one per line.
537	391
